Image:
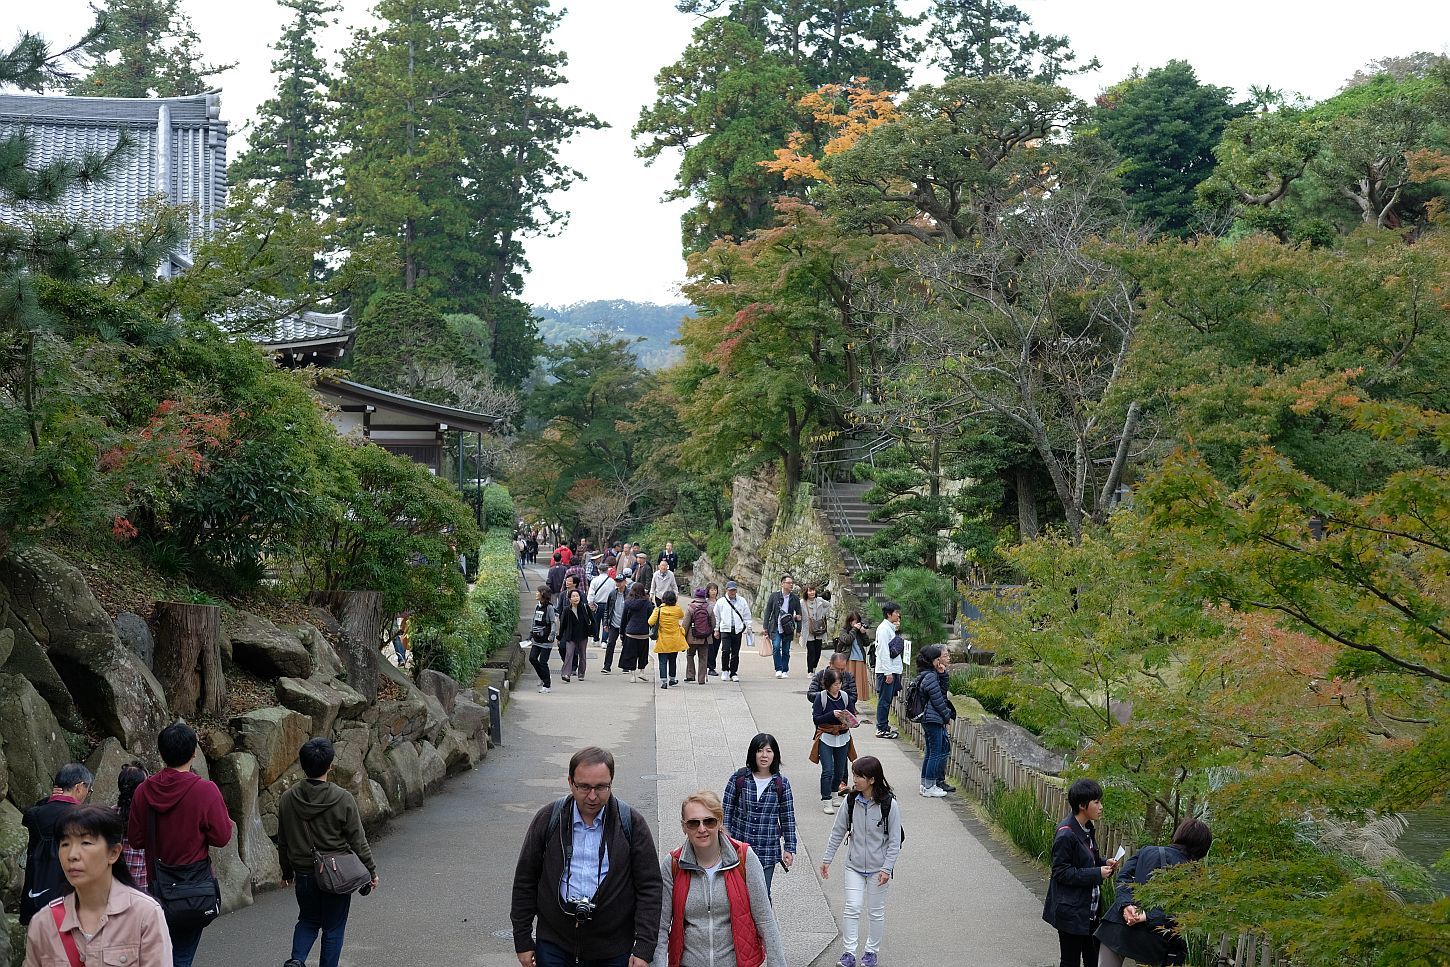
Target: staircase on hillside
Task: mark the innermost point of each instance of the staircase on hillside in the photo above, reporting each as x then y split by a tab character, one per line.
850	516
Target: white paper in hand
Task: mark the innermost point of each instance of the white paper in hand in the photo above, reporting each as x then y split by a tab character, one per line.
1118	856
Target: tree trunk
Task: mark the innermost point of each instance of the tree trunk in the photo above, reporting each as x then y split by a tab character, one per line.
360	613
189	658
1026	505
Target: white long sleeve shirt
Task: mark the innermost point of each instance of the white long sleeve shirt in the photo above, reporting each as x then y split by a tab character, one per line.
727	620
885	664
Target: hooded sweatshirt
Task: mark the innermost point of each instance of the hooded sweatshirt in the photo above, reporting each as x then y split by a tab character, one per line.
874	845
328	814
190	817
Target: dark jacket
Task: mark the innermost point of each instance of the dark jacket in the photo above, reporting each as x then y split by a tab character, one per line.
1147	943
848	685
636	617
824	708
627	918
40	821
1076	869
321	815
575	624
939	707
555	579
773	607
190	818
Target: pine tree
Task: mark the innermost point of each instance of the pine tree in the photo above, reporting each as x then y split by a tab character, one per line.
987	38
290	139
148	48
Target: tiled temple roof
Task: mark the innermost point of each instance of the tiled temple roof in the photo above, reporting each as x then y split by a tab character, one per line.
179	156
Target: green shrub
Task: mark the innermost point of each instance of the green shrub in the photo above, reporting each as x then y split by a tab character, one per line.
718	546
1016	811
498	508
923	596
488	622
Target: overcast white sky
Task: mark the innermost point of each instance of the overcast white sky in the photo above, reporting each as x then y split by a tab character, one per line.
623	243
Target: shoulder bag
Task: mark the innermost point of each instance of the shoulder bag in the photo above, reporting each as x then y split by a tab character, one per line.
338	871
189	893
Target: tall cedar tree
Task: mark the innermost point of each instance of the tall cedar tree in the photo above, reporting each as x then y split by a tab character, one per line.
450	147
289	143
148	48
986	38
1165	124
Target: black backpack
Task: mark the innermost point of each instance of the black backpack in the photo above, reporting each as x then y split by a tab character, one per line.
742	777
44	879
626	817
885	814
915	700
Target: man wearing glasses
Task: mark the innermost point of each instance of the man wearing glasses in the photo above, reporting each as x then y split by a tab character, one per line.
44	880
589	875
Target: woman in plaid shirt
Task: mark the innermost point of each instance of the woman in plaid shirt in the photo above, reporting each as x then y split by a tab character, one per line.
759	809
132	775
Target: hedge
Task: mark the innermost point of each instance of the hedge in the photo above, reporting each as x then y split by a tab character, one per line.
489	620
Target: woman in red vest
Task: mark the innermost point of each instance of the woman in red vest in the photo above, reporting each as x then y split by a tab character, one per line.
716	906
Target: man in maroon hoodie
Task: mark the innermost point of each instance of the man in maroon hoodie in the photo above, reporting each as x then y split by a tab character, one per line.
190	817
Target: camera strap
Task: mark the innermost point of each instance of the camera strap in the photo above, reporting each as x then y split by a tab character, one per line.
568	845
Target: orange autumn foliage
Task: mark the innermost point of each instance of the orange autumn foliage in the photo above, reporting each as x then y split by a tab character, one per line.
864	109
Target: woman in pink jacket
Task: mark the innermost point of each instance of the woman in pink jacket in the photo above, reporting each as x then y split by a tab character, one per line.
104	919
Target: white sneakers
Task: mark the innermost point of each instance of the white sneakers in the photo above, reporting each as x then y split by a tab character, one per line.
829	808
933	792
782	674
544	689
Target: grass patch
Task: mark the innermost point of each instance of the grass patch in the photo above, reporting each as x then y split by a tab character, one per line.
1026	825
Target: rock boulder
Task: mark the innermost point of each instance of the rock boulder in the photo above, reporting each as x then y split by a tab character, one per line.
135	634
431	767
105	764
440	686
34	746
235	878
405	759
325	661
1022	745
13	840
261	647
273	735
237	775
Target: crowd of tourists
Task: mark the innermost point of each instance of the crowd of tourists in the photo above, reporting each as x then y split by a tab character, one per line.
132	883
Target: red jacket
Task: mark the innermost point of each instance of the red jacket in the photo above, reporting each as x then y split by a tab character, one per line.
749	948
190	817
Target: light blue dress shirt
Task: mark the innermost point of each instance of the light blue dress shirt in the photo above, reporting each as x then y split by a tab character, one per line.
590	861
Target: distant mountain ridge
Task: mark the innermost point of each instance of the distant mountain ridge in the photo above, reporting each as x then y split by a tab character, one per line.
658	325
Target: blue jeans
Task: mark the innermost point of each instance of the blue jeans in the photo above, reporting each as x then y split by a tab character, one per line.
934	766
319	911
183	946
885	695
548	955
769	876
780	651
834	767
668	666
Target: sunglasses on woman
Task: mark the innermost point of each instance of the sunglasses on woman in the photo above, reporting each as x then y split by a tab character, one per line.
709	822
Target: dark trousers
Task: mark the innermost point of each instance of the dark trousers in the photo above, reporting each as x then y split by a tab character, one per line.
632	653
730	645
576	656
548	955
885	695
813	654
667	660
539	658
834	768
319	911
714	653
1077	951
769	877
934	764
610	642
183	946
599	623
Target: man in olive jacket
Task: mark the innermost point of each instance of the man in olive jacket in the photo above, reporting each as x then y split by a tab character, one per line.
318	814
589	875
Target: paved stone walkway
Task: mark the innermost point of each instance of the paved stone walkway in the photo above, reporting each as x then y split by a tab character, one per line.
446	869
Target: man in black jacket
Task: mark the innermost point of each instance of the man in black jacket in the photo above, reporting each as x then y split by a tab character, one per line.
782	618
589	876
71	787
1074	890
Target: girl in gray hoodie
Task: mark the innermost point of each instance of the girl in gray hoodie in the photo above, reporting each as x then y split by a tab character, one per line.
870	823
